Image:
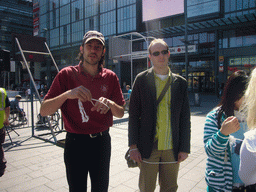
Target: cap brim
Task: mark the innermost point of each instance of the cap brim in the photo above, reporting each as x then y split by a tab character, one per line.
91	38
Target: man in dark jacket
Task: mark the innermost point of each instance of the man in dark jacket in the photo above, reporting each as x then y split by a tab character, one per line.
159	134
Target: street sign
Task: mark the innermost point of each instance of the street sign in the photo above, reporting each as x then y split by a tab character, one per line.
181	49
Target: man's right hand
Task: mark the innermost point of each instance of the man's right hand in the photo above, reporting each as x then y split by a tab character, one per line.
80	93
50	106
135	155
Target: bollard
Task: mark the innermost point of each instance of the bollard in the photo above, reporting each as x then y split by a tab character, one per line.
197	100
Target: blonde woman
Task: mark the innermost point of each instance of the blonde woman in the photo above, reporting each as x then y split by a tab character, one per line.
247	169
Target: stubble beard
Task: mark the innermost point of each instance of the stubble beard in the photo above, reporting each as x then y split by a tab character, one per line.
86	61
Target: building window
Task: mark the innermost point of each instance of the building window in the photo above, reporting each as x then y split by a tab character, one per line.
77	14
54	18
54	36
126	19
91	8
65	15
65	34
77	31
246	63
238	38
64	2
108	23
238	7
91	23
77	10
107	5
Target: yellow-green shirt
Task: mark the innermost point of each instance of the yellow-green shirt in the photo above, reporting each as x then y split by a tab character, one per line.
3	95
163	124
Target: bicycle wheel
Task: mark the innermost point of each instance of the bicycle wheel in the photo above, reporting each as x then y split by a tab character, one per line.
13	118
54	120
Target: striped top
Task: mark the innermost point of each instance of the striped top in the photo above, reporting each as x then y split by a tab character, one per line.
218	174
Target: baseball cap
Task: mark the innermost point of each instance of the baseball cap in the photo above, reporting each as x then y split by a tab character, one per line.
93	35
18	96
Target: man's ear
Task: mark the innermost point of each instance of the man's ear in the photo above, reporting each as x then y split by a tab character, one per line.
104	51
149	56
81	49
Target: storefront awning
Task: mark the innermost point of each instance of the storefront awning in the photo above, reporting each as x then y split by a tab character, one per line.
202	25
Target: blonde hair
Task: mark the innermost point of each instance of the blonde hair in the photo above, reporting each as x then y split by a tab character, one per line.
249	105
155	41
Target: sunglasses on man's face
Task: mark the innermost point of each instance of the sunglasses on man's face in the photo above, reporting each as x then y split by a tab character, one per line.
164	52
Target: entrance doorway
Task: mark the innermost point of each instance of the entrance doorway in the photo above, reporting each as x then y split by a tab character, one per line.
201	82
200	75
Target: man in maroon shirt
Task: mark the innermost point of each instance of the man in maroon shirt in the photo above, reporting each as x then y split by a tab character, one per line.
88	96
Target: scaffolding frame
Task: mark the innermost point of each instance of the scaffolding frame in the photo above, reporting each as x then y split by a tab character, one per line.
33	81
132	37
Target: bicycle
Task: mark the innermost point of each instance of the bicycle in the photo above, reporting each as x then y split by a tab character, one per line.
17	118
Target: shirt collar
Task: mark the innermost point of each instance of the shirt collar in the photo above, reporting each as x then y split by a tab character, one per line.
82	72
169	74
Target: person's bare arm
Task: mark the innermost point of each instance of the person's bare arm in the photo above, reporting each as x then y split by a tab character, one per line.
7	113
50	106
117	110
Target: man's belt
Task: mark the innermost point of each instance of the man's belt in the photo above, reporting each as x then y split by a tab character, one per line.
83	136
94	135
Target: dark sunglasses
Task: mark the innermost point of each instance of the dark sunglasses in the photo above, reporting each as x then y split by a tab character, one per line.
164	52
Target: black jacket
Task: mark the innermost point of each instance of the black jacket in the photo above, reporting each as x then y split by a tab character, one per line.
143	114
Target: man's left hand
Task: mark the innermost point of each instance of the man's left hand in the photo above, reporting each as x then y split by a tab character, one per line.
182	156
100	107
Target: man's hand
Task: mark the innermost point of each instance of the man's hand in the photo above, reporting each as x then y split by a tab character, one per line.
182	156
6	122
135	154
103	106
230	125
80	93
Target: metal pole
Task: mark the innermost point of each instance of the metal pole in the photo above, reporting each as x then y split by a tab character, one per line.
8	80
32	105
146	40
56	66
186	39
131	63
4	79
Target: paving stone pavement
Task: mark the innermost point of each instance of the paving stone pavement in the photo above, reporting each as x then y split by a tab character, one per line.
35	165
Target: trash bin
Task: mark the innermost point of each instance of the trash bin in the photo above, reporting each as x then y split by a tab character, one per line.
197	100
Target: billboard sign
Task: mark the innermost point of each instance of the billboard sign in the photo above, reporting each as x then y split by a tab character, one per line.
156	9
35	18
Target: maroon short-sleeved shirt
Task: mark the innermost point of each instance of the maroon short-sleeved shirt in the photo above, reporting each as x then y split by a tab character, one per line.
77	116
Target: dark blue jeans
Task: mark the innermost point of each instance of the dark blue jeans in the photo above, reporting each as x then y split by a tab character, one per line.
83	155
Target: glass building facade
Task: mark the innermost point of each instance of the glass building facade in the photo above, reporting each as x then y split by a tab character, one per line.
221	32
64	23
16	16
225	40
